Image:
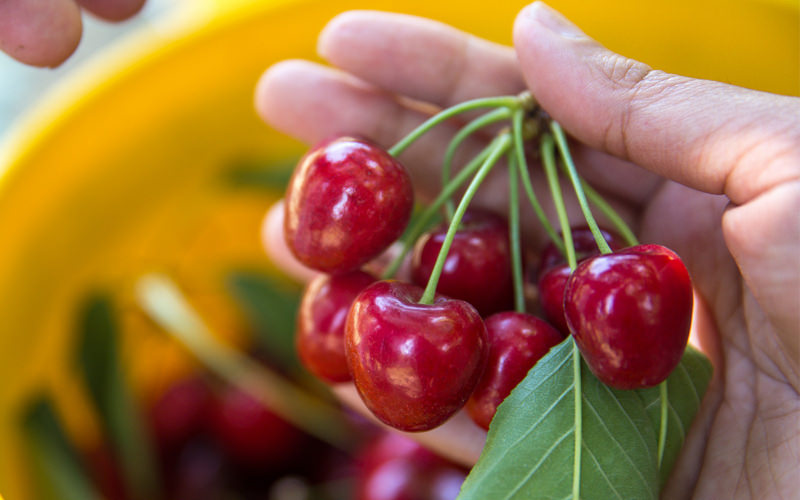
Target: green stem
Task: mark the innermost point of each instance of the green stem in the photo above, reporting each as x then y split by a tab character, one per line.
662	434
499	149
514	236
511	102
549	163
165	304
460	137
572	172
578	423
425	217
619	224
519	149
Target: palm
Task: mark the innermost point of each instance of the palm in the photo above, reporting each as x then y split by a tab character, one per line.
743	443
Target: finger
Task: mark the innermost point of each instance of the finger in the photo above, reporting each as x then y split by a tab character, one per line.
112	10
312	102
708	135
419	58
42	33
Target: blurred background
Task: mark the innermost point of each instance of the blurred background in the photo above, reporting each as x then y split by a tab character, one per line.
142	154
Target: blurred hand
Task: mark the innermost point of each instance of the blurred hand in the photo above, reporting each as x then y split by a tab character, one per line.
46	32
707	169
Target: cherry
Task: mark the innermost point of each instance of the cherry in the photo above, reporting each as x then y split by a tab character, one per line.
180	413
251	434
321	320
516	342
105	473
478	265
553	272
414	365
394	467
630	313
347	201
585	246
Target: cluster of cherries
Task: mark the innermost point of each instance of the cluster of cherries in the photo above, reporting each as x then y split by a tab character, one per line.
455	331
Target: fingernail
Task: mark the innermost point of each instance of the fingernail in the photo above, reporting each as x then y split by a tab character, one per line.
554	21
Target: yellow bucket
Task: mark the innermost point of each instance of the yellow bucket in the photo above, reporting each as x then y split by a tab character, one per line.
116	172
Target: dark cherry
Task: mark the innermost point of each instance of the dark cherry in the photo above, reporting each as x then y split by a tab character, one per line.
251	434
414	365
348	200
200	473
105	473
585	246
394	467
630	313
516	342
180	413
321	320
551	296
478	265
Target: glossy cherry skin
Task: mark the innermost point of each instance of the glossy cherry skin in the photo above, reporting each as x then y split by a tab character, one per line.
551	296
320	323
629	313
347	201
516	342
394	467
250	434
478	265
414	365
585	246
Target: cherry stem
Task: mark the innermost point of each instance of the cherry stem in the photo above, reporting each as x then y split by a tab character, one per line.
510	102
662	435
476	124
513	234
165	304
549	164
425	217
522	161
578	422
499	148
572	172
619	224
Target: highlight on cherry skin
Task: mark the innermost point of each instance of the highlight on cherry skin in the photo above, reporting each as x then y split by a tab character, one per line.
414	365
347	201
478	265
630	313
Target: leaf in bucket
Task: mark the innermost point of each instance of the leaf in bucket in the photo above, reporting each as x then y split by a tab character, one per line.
686	387
531	447
272	309
266	175
55	461
97	359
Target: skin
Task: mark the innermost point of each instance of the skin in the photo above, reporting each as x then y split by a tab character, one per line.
46	32
709	170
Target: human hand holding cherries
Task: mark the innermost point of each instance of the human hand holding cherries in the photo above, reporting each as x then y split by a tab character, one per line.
718	184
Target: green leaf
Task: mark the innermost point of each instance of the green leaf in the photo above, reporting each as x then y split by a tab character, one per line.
266	175
55	462
271	307
530	449
685	387
98	361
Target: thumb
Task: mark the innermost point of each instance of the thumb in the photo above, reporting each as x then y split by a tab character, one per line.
711	136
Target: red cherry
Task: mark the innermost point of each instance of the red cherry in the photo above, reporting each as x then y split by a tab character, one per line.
630	313
348	200
180	413
551	295
478	265
395	467
585	246
414	365
251	434
321	320
516	342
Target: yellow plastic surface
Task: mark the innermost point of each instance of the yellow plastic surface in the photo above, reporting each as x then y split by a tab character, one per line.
117	172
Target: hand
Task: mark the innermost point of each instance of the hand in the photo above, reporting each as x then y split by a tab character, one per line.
707	169
46	32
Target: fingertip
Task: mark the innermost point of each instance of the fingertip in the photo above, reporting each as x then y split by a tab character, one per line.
274	87
276	249
113	10
44	34
343	29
